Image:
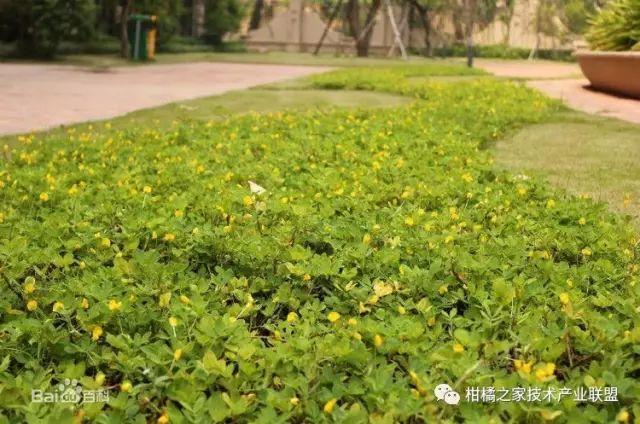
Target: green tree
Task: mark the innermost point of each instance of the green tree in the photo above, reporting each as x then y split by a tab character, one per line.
222	17
39	26
476	15
361	16
425	10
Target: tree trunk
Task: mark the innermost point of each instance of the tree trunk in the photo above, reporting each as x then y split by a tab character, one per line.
364	40
256	15
353	16
423	12
469	50
334	13
124	33
197	18
458	32
469	14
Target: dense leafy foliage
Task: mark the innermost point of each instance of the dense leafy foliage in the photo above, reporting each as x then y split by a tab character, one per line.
39	26
616	27
387	255
168	13
223	17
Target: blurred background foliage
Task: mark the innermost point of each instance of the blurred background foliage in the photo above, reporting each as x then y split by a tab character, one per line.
44	28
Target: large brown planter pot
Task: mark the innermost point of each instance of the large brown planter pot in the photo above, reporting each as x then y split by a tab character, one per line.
615	72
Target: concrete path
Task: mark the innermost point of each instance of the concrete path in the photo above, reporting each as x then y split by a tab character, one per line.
564	81
37	97
577	95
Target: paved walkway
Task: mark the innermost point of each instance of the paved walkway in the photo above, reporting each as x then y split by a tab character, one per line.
36	97
564	81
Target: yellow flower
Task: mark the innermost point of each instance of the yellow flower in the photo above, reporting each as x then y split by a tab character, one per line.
551	204
401	310
178	213
306	277
458	348
184	299
550	368
164	299
32	305
443	289
378	340
586	251
292	317
105	242
545	372
352	321
328	407
114	305
564	298
29	285
96	333
333	316
409	221
169	237
522	191
147	189
177	354
623	416
100	377
467	178
173	321
164	418
126	386
523	366
247	200
58	306
366	239
582	221
294	401
44	197
85	303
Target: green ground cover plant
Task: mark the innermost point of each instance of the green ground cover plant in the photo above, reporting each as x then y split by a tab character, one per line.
321	266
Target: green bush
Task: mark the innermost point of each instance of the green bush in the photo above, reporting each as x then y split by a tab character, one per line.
222	17
616	27
168	13
499	51
386	255
38	27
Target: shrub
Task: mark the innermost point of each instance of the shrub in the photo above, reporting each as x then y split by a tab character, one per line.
222	17
503	52
616	27
39	26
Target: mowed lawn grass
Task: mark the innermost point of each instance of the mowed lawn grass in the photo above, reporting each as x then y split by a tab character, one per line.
584	154
102	61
